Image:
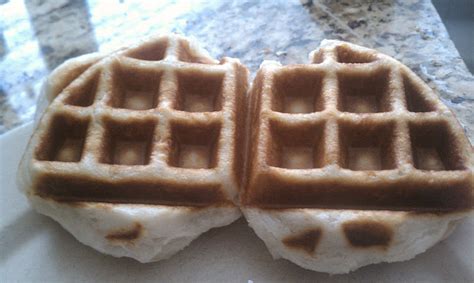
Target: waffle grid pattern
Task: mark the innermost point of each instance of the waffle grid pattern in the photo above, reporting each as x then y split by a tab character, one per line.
355	129
152	124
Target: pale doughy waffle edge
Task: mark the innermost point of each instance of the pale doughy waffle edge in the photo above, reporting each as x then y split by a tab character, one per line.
410	235
146	233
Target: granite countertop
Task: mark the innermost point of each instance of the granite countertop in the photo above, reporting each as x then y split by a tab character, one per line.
36	36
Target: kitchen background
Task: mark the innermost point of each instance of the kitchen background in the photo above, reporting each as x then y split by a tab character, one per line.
37	35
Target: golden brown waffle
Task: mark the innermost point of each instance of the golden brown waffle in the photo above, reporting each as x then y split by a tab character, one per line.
355	129
336	157
157	123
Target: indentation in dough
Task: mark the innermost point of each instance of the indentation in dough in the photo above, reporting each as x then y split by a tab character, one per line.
306	241
126	234
367	233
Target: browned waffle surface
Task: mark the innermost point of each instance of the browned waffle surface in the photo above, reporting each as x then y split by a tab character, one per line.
354	129
157	123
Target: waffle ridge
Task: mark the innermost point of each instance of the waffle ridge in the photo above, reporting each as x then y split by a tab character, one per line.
156	123
354	129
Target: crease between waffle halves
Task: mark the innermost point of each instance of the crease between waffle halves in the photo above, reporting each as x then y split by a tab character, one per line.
346	161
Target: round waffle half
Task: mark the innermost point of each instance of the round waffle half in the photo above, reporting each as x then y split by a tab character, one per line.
352	160
135	152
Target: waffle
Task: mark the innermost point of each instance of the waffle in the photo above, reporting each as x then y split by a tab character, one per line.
344	162
157	124
146	123
344	152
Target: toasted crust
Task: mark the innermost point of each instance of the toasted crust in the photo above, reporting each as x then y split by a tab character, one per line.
124	111
355	129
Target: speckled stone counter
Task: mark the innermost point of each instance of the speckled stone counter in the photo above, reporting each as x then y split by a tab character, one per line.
36	36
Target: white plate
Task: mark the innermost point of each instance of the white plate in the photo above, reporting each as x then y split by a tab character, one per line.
33	248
